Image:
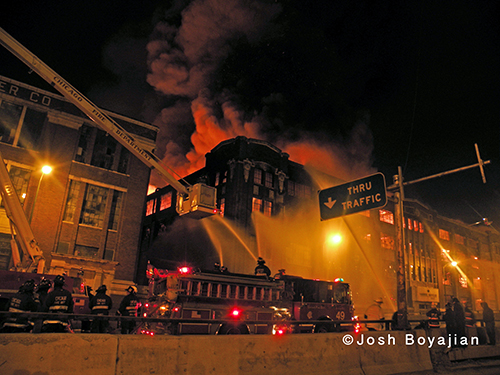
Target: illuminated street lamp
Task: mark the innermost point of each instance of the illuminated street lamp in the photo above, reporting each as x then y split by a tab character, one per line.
46	169
335	239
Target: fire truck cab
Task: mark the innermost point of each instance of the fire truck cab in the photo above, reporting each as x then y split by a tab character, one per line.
318	300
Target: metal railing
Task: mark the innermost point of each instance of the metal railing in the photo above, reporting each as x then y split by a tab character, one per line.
332	325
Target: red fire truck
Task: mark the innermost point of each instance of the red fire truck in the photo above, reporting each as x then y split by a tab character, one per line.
218	302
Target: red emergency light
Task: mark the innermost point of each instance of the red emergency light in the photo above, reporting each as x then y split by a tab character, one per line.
235	313
184	270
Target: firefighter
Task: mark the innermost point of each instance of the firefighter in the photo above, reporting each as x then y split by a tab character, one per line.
433	317
262	269
449	319
459	314
58	301
100	304
42	291
128	307
280	274
374	312
489	321
22	301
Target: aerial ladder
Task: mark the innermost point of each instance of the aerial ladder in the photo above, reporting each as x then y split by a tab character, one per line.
196	201
32	260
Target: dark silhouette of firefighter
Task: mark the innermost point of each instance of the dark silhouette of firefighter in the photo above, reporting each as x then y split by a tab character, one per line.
59	301
489	321
128	307
449	319
42	291
262	269
433	316
100	304
22	301
459	314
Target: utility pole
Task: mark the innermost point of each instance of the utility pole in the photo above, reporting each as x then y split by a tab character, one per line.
398	189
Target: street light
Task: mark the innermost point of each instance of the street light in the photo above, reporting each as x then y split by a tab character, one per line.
335	239
46	169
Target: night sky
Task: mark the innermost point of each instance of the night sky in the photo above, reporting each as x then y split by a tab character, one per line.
376	84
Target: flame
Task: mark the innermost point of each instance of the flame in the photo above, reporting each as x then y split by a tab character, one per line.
184	62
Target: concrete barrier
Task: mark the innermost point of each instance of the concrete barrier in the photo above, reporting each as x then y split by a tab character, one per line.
369	353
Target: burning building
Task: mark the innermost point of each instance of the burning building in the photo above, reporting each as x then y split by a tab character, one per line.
268	207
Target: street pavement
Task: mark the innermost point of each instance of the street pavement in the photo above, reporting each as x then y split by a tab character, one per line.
470	367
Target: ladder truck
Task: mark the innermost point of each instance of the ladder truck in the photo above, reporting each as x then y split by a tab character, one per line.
31	264
196	201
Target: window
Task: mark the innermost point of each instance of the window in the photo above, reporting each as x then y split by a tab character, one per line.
150	205
387	241
257	176
101	150
166	201
94	206
444	234
256	204
87	251
104	150
20	178
123	161
32	129
269	180
10	114
386	216
268	208
222	206
71	201
302	191
116	208
459	239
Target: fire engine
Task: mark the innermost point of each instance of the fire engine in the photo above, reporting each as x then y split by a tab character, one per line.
220	302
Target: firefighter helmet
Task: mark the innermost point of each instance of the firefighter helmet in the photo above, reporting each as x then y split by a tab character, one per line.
28	286
59	280
132	289
102	289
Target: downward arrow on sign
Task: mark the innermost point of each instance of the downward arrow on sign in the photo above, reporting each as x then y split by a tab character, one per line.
330	203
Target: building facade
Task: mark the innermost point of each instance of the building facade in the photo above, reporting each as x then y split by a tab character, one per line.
268	206
86	214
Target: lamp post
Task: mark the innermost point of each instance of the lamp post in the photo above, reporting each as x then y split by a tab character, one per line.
45	170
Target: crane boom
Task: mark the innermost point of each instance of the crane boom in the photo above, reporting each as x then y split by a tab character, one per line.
202	204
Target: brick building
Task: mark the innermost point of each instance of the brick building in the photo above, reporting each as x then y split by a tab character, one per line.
86	214
269	207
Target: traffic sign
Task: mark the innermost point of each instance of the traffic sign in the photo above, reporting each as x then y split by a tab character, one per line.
355	196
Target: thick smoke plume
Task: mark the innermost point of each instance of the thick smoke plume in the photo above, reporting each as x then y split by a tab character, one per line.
188	61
